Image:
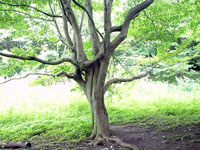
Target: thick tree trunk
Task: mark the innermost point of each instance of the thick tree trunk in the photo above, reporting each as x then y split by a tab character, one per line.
100	119
101	124
95	96
94	91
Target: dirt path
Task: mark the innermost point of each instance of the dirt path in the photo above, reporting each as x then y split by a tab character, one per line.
183	138
148	138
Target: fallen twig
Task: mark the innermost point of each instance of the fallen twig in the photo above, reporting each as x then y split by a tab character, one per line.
15	145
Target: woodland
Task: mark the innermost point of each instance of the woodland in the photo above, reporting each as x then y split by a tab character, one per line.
131	70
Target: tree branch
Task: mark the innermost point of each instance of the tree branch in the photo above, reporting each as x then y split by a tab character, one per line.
122	65
43	74
74	76
23	5
116	29
152	21
61	74
93	34
57	27
82	19
90	17
88	63
107	21
66	31
65	74
132	13
25	14
32	58
120	80
81	56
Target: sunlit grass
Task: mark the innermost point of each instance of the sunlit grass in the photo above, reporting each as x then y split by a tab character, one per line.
56	112
30	111
170	104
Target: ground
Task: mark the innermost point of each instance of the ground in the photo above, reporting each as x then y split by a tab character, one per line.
145	138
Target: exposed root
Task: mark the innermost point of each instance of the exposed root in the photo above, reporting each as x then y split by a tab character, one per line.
99	141
106	139
121	143
93	135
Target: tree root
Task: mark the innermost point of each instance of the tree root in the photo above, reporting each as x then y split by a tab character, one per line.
99	141
93	135
105	139
123	144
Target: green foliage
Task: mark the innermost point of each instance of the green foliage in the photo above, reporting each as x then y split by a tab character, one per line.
43	80
26	32
88	49
164	27
169	37
153	33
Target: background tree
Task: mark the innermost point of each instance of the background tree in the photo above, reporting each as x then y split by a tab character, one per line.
156	34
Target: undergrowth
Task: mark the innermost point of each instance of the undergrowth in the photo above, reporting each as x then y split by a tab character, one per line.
63	115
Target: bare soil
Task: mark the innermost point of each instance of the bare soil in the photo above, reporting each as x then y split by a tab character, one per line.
145	138
151	138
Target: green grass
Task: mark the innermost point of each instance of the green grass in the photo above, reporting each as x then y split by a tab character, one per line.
63	115
156	103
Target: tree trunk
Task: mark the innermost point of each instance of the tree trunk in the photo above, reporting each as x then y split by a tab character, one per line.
99	116
95	96
101	124
94	90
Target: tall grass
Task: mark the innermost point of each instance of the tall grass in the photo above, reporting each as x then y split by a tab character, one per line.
161	102
56	112
53	112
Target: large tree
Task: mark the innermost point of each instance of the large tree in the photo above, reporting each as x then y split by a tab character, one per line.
36	21
90	74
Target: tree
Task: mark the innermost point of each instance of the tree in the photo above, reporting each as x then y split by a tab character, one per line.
89	74
90	57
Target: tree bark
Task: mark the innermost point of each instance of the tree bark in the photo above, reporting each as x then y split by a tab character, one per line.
94	91
101	124
95	95
100	120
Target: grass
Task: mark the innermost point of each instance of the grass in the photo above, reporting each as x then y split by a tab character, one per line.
156	103
27	112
